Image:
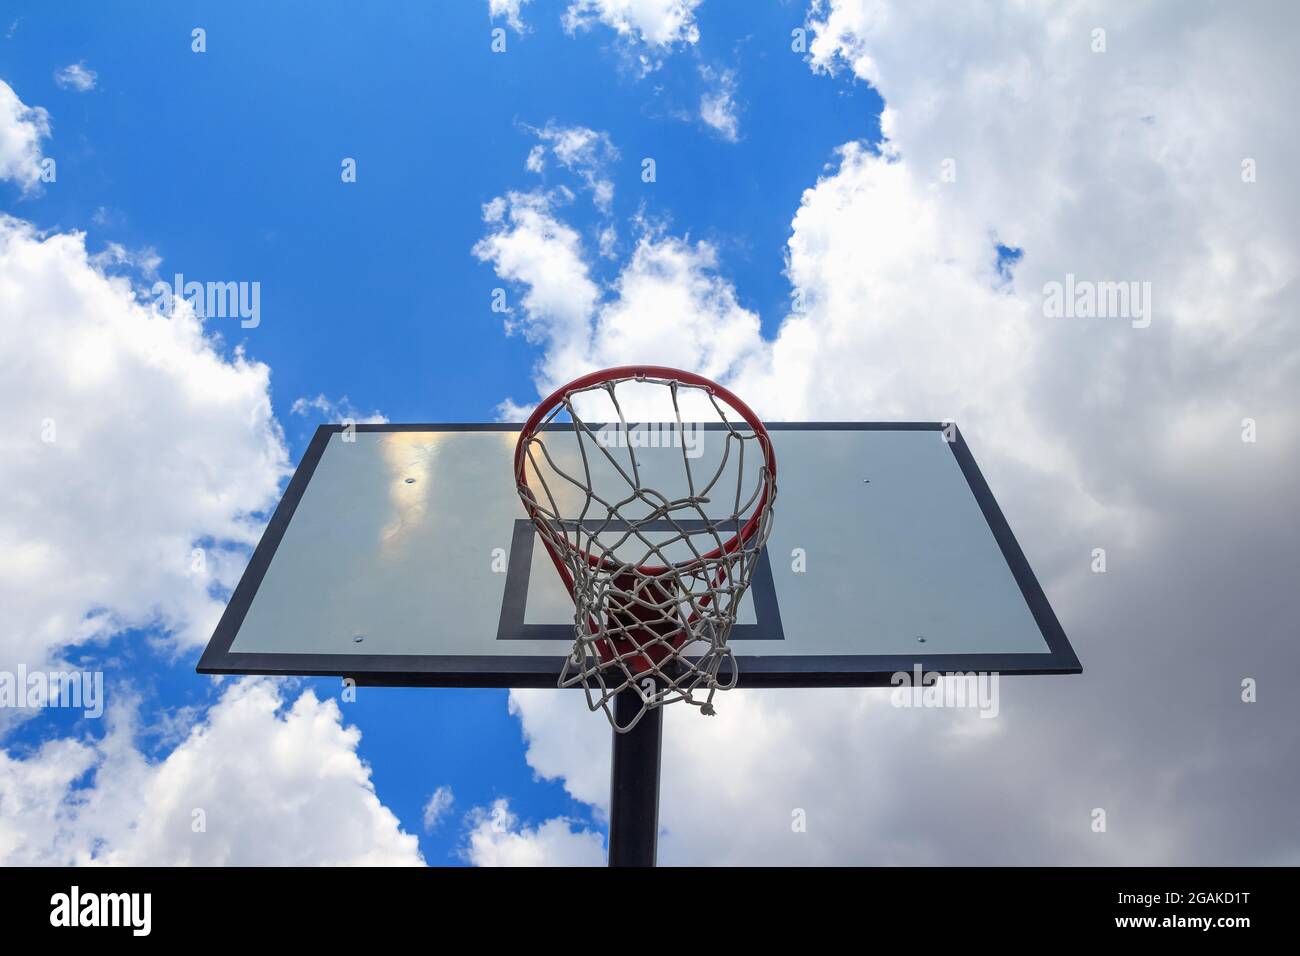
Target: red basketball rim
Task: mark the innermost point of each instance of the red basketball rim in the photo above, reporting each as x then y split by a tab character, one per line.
552	401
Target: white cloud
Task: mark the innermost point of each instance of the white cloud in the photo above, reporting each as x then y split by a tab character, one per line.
656	23
131	439
865	242
496	838
732	783
22	128
585	152
439	805
536	161
77	77
718	106
566	742
668	306
510	10
840	36
1091	432
276	784
336	412
528	245
608	242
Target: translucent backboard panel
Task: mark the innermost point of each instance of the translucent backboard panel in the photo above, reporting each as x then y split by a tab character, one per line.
401	555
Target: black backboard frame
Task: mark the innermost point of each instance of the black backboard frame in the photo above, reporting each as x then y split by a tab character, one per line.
436	670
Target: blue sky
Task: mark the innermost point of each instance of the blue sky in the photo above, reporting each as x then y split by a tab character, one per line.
1120	157
230	167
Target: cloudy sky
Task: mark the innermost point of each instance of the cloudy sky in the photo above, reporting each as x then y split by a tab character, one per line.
858	211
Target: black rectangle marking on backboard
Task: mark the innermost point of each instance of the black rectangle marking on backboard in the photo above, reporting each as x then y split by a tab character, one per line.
514	604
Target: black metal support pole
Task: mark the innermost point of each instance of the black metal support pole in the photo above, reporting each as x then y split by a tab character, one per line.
634	785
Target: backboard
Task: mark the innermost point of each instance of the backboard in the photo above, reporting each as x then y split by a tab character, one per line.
401	555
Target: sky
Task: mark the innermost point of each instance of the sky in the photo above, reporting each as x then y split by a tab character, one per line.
858	211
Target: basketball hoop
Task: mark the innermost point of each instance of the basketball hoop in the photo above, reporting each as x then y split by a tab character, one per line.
656	574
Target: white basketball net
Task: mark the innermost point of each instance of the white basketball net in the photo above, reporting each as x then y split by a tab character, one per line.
658	573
